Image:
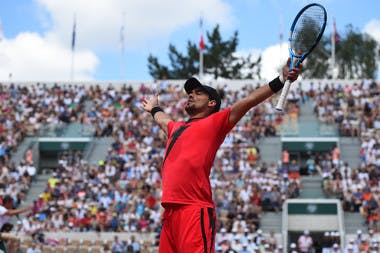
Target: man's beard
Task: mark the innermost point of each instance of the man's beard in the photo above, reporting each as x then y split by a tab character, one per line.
190	109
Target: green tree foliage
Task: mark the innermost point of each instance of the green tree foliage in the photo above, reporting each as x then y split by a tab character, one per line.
220	60
356	56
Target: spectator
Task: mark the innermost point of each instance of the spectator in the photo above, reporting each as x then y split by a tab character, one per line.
117	246
305	242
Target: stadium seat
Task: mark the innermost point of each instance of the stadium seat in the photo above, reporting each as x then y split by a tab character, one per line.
86	242
147	243
98	242
96	249
23	248
83	249
27	241
74	242
71	249
59	249
47	249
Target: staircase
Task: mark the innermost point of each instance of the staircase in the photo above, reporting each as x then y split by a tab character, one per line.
98	149
349	151
36	188
270	149
353	222
307	113
311	188
271	221
19	153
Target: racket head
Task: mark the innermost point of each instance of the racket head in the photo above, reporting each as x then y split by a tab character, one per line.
306	31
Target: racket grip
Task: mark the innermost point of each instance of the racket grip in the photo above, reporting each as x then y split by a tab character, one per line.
284	93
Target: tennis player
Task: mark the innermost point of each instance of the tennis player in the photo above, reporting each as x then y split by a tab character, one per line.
189	213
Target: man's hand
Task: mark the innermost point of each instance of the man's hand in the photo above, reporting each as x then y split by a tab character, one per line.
149	102
292	75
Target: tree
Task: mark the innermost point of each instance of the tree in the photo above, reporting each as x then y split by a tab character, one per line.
220	60
355	56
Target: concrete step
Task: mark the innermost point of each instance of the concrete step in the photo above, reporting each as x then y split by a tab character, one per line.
270	149
311	187
271	221
349	149
354	222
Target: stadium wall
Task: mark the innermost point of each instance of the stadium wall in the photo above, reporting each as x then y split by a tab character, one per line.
231	84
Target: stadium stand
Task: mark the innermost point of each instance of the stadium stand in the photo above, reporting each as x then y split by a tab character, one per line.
87	199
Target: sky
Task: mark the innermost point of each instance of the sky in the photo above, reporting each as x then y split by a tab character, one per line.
36	35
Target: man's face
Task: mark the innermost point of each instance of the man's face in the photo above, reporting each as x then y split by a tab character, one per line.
198	101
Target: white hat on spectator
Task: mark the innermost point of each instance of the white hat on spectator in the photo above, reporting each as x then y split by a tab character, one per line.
306	232
335	245
327	233
293	245
358	231
223	230
259	231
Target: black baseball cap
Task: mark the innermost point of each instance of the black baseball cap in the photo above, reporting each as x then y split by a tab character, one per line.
193	83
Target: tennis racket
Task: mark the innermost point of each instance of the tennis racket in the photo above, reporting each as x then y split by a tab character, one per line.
305	33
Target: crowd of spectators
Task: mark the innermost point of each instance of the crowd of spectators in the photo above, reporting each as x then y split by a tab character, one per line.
122	191
356	112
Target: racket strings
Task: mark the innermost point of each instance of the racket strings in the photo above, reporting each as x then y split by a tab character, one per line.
307	30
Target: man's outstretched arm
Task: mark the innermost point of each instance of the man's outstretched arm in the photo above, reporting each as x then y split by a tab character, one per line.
150	105
240	108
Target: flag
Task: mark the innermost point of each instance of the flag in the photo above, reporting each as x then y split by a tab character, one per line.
336	35
73	35
201	41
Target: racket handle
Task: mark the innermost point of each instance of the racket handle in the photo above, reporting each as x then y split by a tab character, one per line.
284	93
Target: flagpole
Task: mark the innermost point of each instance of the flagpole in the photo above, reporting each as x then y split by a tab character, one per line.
122	48
333	74
281	37
73	49
201	47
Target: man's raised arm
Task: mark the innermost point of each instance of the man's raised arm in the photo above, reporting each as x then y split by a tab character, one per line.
150	105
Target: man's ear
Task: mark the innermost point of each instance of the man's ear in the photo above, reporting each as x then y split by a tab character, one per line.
212	103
